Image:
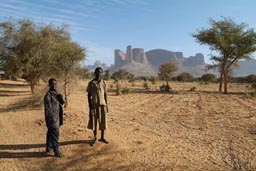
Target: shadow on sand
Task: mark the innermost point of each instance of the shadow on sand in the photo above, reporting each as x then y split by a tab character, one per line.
11	85
4	154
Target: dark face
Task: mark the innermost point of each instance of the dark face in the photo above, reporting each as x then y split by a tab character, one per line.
53	85
98	74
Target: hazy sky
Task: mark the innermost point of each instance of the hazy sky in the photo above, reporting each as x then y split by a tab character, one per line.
105	25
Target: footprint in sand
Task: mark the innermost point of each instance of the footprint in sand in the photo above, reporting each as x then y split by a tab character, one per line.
138	142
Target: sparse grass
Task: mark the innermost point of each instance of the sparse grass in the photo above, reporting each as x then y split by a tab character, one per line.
239	159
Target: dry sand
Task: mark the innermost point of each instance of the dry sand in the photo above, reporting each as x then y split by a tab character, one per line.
147	130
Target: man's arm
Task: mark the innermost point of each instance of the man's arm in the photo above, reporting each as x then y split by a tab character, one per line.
48	107
89	100
106	99
91	109
105	94
60	99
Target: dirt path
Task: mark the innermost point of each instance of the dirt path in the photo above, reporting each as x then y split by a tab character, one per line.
147	130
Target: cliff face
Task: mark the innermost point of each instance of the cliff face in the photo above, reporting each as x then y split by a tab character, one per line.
133	61
139	56
140	63
245	68
159	56
191	61
119	58
132	55
193	64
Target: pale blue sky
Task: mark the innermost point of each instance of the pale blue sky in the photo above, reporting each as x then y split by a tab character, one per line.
105	25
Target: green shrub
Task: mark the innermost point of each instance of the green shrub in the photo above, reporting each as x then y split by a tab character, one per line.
185	77
152	79
174	78
118	88
193	89
251	78
125	90
208	77
165	87
145	85
254	86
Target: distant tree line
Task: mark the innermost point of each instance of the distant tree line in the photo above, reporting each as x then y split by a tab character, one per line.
122	74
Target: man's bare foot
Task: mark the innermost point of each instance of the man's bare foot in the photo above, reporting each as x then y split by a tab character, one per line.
104	140
94	141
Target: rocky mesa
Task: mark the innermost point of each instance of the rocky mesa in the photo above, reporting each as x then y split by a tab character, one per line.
142	63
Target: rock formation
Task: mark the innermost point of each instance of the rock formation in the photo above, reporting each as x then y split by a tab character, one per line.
97	64
128	55
133	61
194	60
159	56
119	58
139	55
141	63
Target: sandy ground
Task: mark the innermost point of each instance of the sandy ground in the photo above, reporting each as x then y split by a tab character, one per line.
147	130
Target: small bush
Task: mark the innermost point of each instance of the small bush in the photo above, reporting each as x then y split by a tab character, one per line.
118	88
125	90
185	77
253	94
254	86
251	78
145	85
152	79
238	160
174	78
208	77
165	87
193	89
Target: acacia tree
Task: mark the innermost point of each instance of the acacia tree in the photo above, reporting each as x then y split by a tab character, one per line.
208	77
107	75
231	41
28	48
67	63
8	60
185	76
166	71
131	78
39	51
120	74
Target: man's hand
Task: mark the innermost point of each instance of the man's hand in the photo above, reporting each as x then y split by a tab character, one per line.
92	112
107	108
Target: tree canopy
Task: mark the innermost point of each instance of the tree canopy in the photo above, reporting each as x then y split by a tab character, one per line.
166	71
38	51
231	41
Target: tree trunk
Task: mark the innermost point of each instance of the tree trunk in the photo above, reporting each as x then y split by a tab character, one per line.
118	88
32	86
221	79
225	82
65	93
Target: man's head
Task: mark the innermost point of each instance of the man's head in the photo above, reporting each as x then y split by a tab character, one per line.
98	72
52	83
